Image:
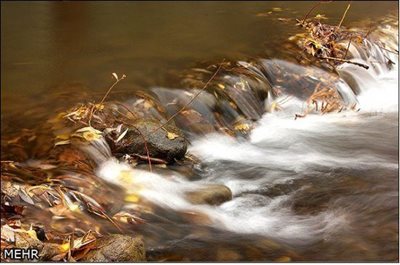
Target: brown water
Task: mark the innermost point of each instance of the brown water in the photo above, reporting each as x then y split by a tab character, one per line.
322	188
47	44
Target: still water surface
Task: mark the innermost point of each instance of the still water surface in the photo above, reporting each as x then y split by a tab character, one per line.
47	44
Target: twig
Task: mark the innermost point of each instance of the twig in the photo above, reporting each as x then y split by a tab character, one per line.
368	32
93	109
344	14
145	147
305	17
111	220
127	109
193	98
395	52
111	87
319	2
345	61
155	160
348	46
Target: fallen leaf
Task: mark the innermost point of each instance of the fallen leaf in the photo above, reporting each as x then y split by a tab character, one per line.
319	16
25	197
64	247
242	127
88	129
62	142
99	106
90	136
172	135
121	136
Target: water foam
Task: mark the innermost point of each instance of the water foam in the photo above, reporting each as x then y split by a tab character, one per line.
284	148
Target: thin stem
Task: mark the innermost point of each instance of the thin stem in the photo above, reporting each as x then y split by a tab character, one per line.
111	87
395	52
320	2
345	61
93	109
306	16
348	46
344	14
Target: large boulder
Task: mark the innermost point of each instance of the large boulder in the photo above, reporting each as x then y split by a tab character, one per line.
117	248
163	142
214	194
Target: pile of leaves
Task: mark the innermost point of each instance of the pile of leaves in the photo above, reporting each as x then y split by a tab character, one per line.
324	44
59	210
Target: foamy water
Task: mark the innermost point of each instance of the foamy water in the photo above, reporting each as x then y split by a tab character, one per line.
280	150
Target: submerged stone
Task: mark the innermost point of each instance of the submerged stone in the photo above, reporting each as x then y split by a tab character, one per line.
215	194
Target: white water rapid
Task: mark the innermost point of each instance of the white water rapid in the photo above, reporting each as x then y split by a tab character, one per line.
287	163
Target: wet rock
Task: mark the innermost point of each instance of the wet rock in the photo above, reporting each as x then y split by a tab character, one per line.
117	248
165	143
49	251
226	254
210	194
197	218
198	117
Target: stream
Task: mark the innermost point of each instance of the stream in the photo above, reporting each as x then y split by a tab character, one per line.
318	188
324	186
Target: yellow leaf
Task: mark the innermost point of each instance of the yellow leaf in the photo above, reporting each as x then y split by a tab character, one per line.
99	106
171	135
242	127
90	136
221	86
319	16
64	136
64	247
32	233
131	198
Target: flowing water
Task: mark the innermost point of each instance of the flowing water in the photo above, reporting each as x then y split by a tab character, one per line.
324	186
320	188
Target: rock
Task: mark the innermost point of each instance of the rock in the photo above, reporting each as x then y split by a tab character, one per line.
197	218
165	143
117	248
215	194
225	254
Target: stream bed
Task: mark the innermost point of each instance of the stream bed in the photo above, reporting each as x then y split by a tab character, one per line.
317	188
